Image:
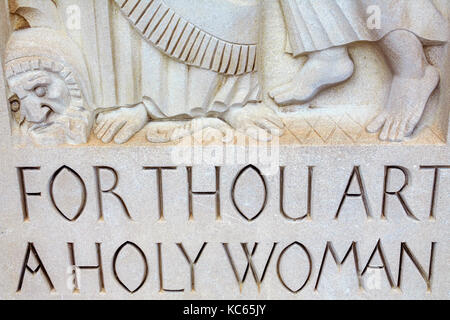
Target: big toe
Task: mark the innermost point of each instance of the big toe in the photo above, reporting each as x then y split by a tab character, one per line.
377	123
279	90
286	98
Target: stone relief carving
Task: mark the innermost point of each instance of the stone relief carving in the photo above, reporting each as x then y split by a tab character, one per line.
172	69
313	30
46	72
51	87
212	79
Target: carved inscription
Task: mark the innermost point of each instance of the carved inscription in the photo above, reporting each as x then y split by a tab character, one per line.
388	193
247	256
298	108
244	262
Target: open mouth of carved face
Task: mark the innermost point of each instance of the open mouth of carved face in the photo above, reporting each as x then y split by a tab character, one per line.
44	112
41	125
21	114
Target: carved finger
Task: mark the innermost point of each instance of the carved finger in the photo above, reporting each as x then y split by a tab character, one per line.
112	131
225	130
154	135
181	132
99	126
182	129
100	117
126	133
105	128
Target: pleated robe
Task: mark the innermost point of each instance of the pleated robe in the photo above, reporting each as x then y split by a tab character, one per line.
315	25
170	55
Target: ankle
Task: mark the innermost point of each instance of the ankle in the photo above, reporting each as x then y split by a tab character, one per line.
413	72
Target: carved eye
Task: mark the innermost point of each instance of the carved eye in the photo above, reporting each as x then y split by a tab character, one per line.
14	105
40	91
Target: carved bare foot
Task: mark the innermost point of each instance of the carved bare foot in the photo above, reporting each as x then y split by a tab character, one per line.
121	124
321	71
255	120
167	131
407	101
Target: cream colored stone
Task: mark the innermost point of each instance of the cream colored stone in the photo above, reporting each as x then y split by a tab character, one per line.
101	155
186	65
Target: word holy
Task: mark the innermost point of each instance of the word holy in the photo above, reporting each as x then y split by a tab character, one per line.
355	181
192	260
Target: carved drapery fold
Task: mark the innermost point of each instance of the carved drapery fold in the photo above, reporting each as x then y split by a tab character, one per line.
319	25
182	40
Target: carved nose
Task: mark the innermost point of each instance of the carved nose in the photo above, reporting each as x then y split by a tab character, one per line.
36	113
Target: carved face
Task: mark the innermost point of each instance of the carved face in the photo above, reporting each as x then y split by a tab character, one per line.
40	94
